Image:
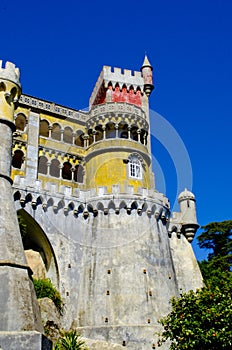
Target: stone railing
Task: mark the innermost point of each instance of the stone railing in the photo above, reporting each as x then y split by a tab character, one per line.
53	108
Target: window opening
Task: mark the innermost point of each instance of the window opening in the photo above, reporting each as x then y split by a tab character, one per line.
135	168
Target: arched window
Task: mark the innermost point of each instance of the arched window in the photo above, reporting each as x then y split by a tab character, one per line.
90	133
143	137
44	128
79	141
56	132
42	165
134	133
99	133
20	122
110	131
55	168
68	135
135	167
17	159
78	173
123	131
66	171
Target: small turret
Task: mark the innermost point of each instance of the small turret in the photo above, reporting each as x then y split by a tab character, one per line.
146	70
187	204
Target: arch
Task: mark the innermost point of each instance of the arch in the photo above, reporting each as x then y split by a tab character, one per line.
110	130
123	130
28	198
55	168
79	141
123	205
13	93
2	87
143	137
134	205
90	134
78	173
68	134
17	159
35	239
153	209
132	96
67	171
44	128
134	134
56	132
100	206
17	196
40	200
81	208
20	122
42	165
50	202
90	208
60	205
111	205
99	134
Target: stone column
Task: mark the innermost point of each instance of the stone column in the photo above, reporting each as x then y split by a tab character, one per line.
18	308
94	136
116	128
50	131
32	149
104	132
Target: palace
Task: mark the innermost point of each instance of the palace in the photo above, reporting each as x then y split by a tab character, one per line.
96	226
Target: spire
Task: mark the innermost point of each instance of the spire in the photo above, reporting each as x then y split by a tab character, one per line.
146	71
146	63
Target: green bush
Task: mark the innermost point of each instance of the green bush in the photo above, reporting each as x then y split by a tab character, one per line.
70	340
45	289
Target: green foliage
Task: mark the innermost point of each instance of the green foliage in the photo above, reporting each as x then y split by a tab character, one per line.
45	289
217	237
202	320
70	340
22	225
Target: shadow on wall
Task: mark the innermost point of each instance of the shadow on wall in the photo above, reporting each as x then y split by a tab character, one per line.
39	252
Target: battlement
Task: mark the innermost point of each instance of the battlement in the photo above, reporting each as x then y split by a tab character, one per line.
113	76
10	72
119	72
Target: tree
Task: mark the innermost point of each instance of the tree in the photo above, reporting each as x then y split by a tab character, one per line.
217	237
202	320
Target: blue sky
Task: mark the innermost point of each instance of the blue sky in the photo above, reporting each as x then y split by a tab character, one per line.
60	48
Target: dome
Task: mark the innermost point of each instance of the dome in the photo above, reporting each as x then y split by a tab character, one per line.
186	195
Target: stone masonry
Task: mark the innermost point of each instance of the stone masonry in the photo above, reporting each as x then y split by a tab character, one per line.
83	184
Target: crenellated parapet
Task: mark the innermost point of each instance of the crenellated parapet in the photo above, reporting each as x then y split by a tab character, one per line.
87	202
117	79
10	90
10	72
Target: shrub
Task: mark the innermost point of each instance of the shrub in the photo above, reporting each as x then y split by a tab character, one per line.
70	340
45	289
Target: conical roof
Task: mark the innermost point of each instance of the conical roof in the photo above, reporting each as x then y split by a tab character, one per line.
146	63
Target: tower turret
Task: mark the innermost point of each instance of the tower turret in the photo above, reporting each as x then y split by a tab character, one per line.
18	307
146	70
187	204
